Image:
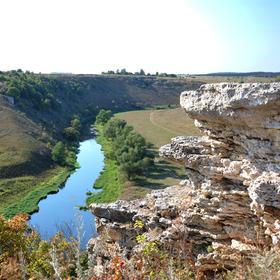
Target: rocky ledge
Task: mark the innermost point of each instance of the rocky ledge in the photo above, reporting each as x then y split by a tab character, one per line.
230	200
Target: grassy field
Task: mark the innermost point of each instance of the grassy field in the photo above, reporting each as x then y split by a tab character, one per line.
110	180
23	145
22	194
158	127
26	170
230	79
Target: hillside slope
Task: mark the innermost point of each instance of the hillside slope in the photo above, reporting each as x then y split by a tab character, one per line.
23	144
51	100
43	107
45	104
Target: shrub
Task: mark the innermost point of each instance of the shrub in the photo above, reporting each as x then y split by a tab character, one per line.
71	134
59	153
103	116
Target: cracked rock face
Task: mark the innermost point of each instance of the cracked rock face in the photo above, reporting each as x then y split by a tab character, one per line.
231	193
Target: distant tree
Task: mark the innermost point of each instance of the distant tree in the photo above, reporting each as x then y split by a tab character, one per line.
71	133
103	116
63	155
113	128
167	75
59	153
123	72
110	72
70	159
76	123
142	72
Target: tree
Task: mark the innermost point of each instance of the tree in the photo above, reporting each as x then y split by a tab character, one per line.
71	133
76	123
123	72
129	149
114	128
59	153
142	72
103	116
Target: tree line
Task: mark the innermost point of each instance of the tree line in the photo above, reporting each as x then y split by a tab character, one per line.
39	91
140	73
64	153
129	149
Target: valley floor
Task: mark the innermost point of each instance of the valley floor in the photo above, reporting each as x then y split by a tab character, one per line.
158	127
154	126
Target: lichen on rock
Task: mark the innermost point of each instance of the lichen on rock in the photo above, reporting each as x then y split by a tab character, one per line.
231	195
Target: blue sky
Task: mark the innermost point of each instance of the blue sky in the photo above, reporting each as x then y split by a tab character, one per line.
175	36
250	30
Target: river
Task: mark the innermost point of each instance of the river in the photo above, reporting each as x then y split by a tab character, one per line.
59	211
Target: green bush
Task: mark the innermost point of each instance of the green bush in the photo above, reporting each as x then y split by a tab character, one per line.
63	155
71	134
103	116
59	153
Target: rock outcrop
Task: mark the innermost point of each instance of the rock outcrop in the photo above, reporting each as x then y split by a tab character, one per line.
230	200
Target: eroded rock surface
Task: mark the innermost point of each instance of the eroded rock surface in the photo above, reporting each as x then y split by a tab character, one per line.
231	195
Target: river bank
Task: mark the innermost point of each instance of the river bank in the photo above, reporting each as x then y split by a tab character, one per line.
47	183
60	211
159	175
110	181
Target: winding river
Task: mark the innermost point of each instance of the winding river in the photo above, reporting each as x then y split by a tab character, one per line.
59	211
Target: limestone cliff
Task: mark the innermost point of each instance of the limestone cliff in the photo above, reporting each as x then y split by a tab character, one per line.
230	200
